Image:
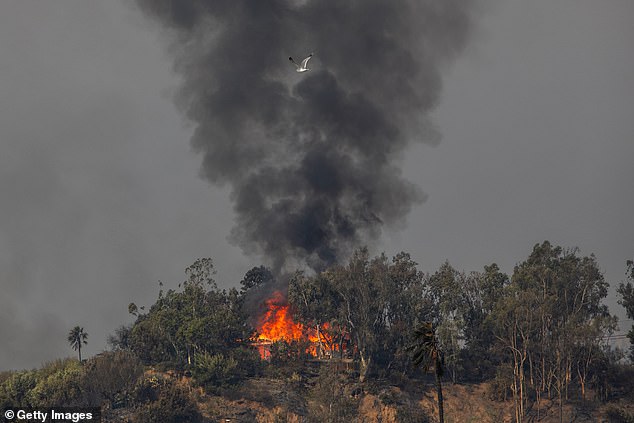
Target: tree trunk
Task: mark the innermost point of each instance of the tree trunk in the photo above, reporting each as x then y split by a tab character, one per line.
441	412
365	366
561	406
582	381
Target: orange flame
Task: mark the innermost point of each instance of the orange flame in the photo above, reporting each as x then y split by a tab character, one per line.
276	324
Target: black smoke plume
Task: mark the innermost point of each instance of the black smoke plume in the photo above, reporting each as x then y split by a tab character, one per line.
311	158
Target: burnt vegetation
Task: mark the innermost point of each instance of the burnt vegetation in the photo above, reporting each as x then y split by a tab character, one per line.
537	342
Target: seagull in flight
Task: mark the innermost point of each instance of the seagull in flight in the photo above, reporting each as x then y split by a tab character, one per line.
303	67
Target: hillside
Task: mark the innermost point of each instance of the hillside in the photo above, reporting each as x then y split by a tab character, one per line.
310	391
315	398
363	342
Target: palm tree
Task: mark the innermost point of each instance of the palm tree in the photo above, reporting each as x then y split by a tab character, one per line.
76	337
427	352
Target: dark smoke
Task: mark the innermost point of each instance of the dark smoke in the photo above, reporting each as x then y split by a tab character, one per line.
312	158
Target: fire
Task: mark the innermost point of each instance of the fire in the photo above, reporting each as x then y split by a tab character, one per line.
277	324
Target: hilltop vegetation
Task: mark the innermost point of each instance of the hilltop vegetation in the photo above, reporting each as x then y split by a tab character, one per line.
525	347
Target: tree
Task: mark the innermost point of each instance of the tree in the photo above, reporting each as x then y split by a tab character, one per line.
255	277
316	304
181	325
515	327
372	303
426	352
379	302
445	288
120	339
481	292
358	285
201	273
626	290
76	337
550	322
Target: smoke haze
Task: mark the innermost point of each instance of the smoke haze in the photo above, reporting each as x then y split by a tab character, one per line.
100	196
312	159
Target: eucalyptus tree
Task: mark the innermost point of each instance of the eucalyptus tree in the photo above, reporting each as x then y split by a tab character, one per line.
316	304
197	319
374	302
359	285
550	320
256	276
481	292
626	291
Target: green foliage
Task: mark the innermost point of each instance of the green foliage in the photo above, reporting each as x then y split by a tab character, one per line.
481	292
256	277
67	382
4	375
58	383
215	371
370	303
182	324
15	389
201	273
550	323
249	362
60	387
150	342
218	371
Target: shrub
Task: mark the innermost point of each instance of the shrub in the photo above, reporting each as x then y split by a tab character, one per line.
15	389
616	414
249	362
215	370
147	389
172	406
329	400
498	389
111	376
59	384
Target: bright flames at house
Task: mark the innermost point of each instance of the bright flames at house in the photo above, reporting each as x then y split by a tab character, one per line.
277	324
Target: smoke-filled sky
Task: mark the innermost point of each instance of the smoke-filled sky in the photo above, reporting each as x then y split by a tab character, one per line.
311	160
451	133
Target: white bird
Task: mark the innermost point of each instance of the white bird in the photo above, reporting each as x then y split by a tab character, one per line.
303	67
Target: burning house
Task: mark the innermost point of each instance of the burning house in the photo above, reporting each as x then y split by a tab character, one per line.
276	324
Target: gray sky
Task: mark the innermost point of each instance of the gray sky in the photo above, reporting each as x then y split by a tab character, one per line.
101	195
